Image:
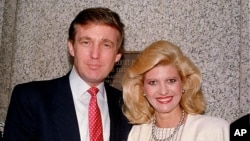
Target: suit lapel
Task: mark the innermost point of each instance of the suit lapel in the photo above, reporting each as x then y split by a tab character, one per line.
114	112
63	111
64	114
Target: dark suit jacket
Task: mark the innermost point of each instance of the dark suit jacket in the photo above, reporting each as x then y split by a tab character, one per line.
44	111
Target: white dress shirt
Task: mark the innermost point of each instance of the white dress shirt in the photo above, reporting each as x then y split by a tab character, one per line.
81	101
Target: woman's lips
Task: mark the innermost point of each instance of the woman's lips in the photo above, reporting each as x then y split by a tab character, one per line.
164	100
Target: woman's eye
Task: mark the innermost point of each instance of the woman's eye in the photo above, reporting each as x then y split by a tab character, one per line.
152	82
171	80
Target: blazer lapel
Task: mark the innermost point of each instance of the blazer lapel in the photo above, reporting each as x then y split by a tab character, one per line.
63	111
113	97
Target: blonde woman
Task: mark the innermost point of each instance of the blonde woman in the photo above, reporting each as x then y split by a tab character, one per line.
163	98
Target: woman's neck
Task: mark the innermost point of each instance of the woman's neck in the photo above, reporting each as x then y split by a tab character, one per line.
169	120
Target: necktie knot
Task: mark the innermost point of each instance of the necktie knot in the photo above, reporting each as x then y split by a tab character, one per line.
93	91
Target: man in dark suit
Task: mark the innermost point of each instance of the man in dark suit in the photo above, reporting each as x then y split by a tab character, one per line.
57	110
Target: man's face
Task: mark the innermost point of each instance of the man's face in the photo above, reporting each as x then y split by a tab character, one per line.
95	51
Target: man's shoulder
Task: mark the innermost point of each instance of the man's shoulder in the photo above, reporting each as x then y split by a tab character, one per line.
108	87
37	83
40	86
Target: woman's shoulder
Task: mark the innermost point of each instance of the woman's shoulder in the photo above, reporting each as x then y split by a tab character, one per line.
140	132
142	126
207	119
206	127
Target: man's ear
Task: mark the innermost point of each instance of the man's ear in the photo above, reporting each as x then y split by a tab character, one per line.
71	48
118	57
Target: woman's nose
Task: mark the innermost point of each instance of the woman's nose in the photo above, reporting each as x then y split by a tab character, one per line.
164	90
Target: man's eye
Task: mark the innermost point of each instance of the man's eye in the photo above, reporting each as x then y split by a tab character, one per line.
107	45
85	42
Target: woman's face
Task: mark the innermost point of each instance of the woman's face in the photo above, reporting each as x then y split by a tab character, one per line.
163	88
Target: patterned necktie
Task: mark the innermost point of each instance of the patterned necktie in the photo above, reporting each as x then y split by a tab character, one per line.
95	121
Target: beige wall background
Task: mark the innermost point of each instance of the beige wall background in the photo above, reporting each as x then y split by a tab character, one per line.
214	33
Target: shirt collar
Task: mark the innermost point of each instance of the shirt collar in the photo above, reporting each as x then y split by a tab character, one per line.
79	86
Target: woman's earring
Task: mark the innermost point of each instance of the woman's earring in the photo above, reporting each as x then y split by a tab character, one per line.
183	91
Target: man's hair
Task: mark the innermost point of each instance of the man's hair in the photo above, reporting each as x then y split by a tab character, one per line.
98	15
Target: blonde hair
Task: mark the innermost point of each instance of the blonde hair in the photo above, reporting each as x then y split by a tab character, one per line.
136	107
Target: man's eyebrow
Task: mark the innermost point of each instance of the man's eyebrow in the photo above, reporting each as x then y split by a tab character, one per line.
84	38
107	40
